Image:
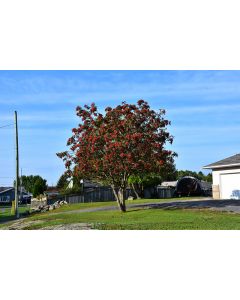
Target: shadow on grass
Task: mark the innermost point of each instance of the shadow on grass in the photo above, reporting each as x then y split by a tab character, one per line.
5	219
135	209
194	204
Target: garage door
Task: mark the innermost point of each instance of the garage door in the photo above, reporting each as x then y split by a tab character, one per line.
230	186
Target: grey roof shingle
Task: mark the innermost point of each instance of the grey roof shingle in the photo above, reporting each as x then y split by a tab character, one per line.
4	189
232	160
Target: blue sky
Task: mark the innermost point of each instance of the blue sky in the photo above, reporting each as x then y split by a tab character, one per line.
203	106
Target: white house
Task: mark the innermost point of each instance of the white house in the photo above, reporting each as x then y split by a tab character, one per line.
226	178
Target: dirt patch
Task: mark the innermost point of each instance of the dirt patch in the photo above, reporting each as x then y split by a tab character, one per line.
21	224
75	226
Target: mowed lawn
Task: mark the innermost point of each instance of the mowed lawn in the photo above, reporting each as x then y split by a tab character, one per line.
5	212
135	218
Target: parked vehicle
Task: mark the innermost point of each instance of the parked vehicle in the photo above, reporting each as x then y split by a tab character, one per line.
191	186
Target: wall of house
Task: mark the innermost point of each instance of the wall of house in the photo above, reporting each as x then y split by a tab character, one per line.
7	197
216	179
217	173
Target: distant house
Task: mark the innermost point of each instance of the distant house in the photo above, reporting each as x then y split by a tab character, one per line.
226	178
52	192
7	195
86	184
169	183
90	184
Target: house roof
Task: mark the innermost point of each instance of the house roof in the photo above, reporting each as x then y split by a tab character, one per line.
169	183
5	189
232	161
89	183
52	189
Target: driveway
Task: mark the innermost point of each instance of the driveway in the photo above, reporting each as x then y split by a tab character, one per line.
217	205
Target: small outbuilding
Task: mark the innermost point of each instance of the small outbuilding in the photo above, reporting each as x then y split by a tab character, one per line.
7	195
226	178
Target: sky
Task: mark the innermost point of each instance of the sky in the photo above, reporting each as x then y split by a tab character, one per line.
203	107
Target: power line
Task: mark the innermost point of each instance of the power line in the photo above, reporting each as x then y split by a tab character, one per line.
7	125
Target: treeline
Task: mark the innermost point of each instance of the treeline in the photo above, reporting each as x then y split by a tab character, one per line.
198	175
34	184
136	182
37	185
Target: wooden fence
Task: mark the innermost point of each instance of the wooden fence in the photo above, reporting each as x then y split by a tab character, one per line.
99	194
102	194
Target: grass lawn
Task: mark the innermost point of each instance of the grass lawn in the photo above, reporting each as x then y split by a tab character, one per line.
5	212
136	218
77	206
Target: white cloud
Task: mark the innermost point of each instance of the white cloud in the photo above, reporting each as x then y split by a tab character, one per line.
55	90
203	109
50	115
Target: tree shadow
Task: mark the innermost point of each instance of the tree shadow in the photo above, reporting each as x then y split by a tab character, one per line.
129	210
5	219
193	204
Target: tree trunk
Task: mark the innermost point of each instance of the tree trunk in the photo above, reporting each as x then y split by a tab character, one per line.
135	191
120	197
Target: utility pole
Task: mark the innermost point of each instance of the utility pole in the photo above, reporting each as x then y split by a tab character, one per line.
17	168
21	188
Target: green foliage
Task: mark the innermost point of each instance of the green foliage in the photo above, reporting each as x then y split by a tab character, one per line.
146	180
76	189
28	182
209	177
168	173
139	182
199	175
63	182
39	187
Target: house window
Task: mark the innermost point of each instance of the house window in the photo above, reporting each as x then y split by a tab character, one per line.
5	199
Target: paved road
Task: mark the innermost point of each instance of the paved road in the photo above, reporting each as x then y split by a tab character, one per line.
217	205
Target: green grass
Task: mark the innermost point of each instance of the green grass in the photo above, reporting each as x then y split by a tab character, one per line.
137	218
5	212
134	218
77	206
144	219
